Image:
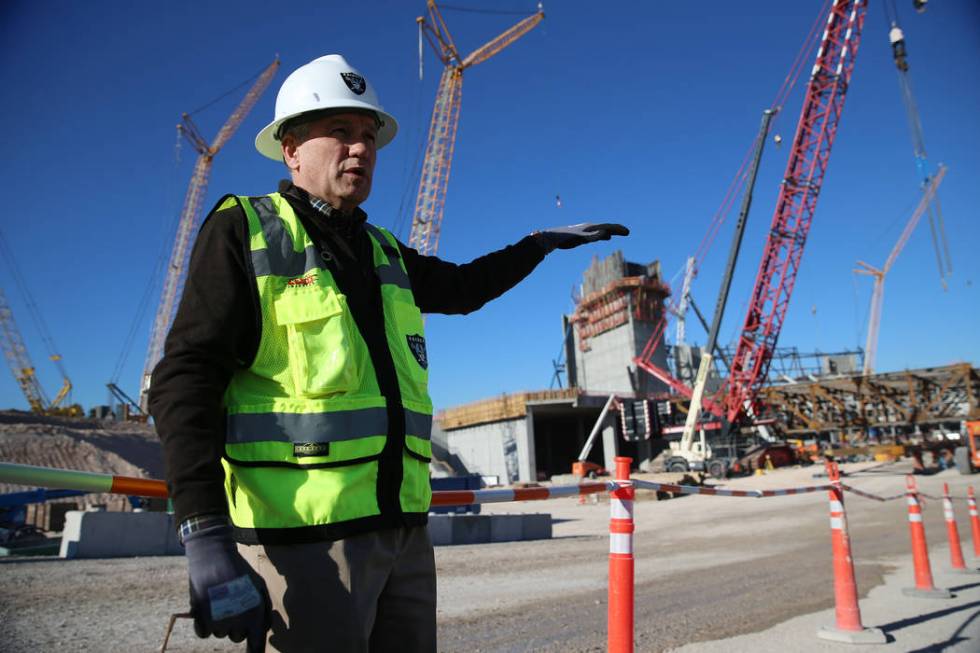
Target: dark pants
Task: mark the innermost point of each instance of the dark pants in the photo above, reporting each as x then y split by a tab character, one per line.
368	593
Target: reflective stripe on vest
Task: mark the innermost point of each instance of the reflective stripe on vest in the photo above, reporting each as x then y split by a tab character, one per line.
334	426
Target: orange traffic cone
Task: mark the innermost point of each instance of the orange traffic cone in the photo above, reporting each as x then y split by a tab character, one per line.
971	501
848	626
955	550
920	550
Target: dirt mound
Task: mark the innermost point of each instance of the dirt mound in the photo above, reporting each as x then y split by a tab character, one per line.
120	448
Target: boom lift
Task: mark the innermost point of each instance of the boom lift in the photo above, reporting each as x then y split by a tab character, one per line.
434	180
877	295
189	218
695	456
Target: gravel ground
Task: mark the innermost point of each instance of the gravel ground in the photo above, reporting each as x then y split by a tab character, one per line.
707	568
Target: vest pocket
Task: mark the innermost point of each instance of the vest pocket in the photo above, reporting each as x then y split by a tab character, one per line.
318	335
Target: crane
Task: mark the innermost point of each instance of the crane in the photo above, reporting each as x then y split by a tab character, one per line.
431	198
795	205
190	215
686	446
877	295
900	55
16	352
19	360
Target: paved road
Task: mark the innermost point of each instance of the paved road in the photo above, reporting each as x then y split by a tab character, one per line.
706	568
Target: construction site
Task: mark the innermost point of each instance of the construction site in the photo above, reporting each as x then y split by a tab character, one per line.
666	489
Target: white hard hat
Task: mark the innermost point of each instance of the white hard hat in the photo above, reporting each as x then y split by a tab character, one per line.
325	83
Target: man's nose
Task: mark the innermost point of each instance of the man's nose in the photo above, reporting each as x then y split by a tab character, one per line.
360	149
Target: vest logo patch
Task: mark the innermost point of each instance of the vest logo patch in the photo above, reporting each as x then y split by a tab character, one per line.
302	281
354	82
306	449
416	344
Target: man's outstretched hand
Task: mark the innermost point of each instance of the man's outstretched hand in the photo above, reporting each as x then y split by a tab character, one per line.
578	234
228	599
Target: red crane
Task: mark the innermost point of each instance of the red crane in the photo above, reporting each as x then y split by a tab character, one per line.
434	180
190	216
810	152
798	194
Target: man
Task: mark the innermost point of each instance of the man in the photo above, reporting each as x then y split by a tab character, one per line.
292	398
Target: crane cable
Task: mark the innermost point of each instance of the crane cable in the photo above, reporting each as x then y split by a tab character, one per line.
937	228
32	308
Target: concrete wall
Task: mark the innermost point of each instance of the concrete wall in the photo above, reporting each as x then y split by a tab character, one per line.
503	449
119	534
605	366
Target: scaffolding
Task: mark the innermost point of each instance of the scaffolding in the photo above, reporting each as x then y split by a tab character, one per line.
614	291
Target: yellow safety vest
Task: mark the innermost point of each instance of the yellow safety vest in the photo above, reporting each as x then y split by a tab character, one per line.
307	426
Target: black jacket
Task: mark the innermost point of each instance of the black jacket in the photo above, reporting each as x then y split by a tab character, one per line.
218	323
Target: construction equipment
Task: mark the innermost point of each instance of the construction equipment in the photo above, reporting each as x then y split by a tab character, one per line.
900	55
696	457
131	409
19	360
967	457
434	180
877	295
16	352
809	155
189	218
582	467
795	206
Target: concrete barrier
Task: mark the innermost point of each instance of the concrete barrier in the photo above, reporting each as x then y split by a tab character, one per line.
119	535
480	529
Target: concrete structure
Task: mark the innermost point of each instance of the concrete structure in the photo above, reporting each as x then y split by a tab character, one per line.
531	436
480	529
102	534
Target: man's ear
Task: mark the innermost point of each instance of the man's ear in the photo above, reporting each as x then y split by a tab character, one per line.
290	151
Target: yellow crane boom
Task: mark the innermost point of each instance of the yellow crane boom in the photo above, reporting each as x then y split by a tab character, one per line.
176	271
431	198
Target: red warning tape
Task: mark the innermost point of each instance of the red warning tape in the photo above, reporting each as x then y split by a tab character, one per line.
869	495
724	492
468	497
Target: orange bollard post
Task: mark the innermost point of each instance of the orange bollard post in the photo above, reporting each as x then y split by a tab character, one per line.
848	628
971	500
620	618
920	550
953	533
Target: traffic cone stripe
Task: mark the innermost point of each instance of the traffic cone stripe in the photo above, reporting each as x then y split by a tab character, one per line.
915	517
955	549
837	523
621	509
836	506
621	543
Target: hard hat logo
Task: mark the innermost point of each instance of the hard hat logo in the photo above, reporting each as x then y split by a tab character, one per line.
354	82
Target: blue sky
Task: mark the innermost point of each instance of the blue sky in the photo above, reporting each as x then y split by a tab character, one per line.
635	112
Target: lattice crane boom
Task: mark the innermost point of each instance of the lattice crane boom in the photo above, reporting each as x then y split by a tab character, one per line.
19	360
877	294
434	180
176	271
795	206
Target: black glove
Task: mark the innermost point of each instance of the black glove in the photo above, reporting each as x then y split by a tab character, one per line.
228	599
578	234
